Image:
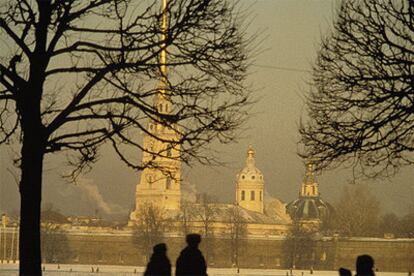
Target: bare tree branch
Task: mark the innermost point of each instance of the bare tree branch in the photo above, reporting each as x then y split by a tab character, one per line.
80	73
361	106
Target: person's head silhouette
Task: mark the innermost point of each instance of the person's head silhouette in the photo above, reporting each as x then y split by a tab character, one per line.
160	248
193	240
159	264
364	265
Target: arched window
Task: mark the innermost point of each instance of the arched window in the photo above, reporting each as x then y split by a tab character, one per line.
261	196
253	177
168	184
169	152
251	195
149	180
243	195
160	107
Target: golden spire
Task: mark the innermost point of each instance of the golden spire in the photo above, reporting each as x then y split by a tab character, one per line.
163	57
161	100
250	156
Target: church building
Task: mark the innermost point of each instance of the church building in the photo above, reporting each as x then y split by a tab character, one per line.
309	209
250	185
160	182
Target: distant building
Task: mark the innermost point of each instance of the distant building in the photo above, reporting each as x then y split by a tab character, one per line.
259	215
309	209
160	182
250	185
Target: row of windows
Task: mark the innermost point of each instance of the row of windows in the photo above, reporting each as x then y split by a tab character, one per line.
253	177
252	195
160	107
307	191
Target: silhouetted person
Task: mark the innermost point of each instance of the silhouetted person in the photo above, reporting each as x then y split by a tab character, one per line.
364	266
344	272
159	263
191	261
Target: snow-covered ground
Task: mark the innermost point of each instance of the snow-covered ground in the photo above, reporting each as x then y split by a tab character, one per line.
76	269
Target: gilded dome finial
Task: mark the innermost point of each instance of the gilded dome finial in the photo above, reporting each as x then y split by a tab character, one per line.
309	168
250	162
250	151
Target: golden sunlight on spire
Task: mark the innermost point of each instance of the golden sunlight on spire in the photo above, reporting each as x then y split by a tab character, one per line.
163	57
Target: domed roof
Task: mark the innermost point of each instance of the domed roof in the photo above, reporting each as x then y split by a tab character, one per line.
250	173
309	205
306	208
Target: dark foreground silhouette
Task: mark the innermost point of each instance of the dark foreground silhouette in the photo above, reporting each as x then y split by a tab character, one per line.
191	261
159	263
365	266
344	272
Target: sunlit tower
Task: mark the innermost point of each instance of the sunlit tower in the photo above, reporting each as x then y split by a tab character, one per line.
250	185
160	183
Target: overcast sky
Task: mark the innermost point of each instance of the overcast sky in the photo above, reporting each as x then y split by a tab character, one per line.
291	30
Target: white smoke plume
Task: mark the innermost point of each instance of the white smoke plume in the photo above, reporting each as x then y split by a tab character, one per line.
92	193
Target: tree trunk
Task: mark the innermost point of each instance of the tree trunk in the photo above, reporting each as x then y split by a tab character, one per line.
30	199
33	149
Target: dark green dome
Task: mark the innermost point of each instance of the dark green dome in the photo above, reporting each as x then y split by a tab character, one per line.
308	208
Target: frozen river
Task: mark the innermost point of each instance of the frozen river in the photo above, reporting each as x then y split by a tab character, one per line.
75	269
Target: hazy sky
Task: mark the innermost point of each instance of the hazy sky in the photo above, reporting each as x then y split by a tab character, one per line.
291	30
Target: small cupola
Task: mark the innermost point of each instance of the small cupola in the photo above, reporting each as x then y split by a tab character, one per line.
250	185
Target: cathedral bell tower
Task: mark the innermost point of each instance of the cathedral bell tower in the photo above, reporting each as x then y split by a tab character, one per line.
160	183
250	185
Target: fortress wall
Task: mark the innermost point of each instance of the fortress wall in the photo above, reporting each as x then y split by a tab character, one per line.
122	248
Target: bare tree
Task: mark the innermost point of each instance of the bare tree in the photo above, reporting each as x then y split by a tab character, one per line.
357	212
390	223
76	74
361	107
299	247
205	212
150	228
186	217
407	225
54	243
237	231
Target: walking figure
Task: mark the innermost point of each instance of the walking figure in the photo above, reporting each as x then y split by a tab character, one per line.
159	263
365	266
191	261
